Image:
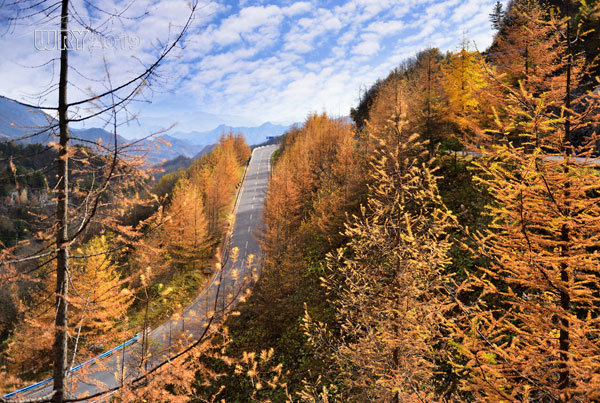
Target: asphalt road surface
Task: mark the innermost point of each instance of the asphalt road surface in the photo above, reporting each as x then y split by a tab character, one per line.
240	268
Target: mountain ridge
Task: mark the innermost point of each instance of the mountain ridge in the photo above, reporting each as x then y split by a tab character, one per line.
253	134
19	123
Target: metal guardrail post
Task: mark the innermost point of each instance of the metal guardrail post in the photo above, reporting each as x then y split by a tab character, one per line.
123	367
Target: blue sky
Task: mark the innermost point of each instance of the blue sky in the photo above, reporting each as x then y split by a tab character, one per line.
247	62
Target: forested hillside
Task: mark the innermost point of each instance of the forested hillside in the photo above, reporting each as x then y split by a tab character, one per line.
398	270
129	274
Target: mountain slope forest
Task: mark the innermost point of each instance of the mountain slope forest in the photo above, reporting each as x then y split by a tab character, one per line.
398	270
444	246
129	273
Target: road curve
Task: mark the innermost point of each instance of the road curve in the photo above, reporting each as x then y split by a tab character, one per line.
124	364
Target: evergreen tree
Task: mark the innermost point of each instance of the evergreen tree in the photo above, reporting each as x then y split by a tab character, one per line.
497	16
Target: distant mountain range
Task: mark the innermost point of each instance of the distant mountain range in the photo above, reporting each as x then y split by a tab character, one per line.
18	122
182	162
253	135
21	123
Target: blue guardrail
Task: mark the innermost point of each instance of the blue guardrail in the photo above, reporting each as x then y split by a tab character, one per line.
78	367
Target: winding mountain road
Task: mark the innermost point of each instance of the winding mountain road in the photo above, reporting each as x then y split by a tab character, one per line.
112	369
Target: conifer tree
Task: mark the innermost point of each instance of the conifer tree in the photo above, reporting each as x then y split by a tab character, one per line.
425	96
98	311
532	334
219	175
385	282
242	151
467	108
523	52
282	208
497	16
186	228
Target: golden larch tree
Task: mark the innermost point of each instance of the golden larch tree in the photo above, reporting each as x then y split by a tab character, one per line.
98	304
532	334
386	282
468	106
186	236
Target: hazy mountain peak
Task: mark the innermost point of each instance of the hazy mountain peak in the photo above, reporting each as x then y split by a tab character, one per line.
253	135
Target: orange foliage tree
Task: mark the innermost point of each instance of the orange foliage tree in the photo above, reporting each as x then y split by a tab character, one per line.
531	334
315	175
315	180
217	173
522	51
386	283
426	97
186	235
98	311
464	79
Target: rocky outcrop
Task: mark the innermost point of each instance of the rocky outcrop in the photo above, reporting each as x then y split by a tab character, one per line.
27	197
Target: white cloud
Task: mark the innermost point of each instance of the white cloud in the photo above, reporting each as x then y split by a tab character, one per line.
249	19
466	9
428	29
297	8
441	8
347	37
256	24
276	60
368	46
305	31
386	27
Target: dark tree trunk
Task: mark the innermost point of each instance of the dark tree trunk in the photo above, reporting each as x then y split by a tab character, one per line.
62	217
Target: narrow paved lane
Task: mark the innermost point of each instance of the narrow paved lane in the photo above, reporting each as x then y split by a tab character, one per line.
125	364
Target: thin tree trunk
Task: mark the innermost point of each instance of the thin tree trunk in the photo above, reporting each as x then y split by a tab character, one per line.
397	302
526	63
62	217
565	304
144	333
195	252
